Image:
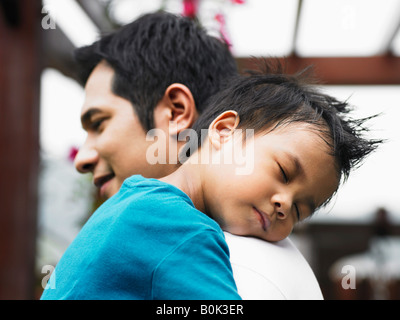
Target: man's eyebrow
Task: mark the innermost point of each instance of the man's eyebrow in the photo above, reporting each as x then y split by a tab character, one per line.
85	118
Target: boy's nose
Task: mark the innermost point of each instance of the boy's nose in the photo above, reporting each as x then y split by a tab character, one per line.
282	202
86	159
280	211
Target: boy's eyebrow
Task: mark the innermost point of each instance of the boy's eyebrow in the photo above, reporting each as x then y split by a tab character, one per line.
85	118
299	171
297	163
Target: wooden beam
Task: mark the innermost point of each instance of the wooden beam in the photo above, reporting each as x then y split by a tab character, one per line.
97	12
58	53
19	145
376	70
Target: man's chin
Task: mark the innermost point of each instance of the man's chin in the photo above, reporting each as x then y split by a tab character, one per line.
108	189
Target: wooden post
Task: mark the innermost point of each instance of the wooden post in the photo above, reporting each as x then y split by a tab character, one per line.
20	32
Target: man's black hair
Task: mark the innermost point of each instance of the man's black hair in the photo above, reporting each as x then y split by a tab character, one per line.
155	51
271	98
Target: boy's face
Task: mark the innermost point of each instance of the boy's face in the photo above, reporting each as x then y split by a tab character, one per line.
115	147
293	175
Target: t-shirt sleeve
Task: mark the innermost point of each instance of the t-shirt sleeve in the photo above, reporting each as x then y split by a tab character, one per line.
197	269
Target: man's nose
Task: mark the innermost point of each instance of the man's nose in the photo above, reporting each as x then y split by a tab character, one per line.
86	159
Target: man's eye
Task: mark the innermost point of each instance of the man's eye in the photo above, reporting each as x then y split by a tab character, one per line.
96	124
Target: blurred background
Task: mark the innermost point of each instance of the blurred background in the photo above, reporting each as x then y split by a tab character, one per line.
353	245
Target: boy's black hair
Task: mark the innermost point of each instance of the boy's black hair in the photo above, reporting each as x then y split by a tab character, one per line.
271	98
155	51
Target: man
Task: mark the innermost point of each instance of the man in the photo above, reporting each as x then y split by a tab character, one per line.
158	70
155	70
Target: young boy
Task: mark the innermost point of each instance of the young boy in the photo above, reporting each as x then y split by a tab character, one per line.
158	239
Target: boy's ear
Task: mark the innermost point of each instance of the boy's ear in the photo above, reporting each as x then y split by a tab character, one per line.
222	128
176	105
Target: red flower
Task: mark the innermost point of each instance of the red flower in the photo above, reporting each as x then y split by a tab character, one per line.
190	8
222	28
73	151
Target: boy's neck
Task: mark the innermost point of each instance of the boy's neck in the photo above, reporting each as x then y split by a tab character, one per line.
188	179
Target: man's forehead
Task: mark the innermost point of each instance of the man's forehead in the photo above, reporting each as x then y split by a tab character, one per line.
98	89
100	78
94	104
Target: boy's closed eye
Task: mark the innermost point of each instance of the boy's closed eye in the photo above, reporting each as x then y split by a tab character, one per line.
283	173
285	178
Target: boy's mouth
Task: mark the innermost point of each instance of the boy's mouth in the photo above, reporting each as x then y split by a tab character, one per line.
263	218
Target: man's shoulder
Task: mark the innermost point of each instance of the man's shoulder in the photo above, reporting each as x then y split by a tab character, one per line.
280	264
284	248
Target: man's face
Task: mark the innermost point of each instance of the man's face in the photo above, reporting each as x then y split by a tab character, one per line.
115	147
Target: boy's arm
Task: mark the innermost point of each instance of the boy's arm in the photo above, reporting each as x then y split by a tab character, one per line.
198	269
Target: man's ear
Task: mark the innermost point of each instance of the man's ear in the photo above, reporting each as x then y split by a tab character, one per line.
176	105
222	128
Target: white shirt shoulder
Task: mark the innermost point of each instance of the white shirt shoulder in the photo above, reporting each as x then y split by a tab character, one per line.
271	271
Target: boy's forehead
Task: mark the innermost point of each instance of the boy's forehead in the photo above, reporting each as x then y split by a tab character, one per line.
302	142
304	148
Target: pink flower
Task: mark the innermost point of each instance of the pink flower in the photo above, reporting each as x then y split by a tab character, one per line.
190	8
238	1
222	28
73	151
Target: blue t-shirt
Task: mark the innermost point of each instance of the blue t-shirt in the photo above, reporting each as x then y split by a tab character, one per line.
146	242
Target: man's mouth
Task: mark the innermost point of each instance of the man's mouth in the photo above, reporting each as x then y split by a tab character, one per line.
102	181
263	218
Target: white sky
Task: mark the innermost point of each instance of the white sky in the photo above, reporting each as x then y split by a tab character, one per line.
346	27
265	27
61	102
376	183
74	22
